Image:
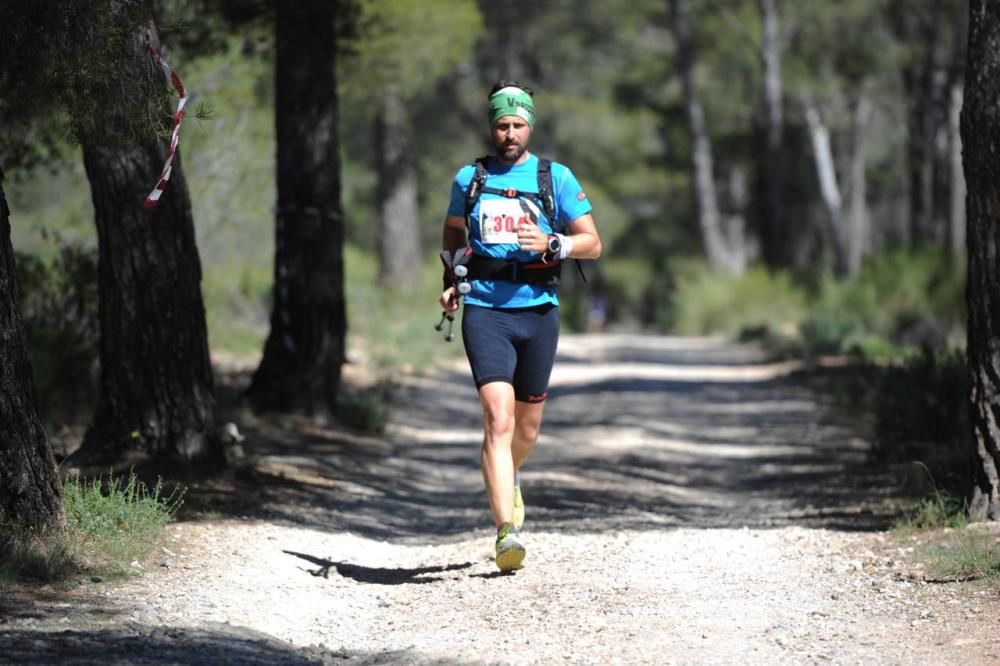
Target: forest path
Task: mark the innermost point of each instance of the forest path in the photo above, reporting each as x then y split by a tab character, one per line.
688	502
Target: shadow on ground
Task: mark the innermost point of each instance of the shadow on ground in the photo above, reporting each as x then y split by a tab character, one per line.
212	645
632	449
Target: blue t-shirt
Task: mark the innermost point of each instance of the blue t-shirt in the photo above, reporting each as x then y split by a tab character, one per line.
494	220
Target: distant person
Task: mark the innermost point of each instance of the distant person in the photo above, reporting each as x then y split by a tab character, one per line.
520	217
597	315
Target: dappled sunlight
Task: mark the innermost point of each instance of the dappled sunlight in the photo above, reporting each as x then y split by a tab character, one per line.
569	375
630	445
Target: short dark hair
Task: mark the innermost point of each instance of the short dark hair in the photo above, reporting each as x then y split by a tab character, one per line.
501	84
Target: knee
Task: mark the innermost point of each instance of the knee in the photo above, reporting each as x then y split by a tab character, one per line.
499	425
527	431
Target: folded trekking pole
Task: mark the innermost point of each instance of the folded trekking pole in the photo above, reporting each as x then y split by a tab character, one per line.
455	275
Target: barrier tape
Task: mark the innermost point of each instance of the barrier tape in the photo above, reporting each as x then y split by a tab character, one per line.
154	197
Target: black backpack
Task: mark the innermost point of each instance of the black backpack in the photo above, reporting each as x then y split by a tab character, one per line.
544	197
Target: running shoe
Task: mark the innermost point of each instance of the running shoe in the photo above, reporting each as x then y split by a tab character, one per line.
510	550
518	517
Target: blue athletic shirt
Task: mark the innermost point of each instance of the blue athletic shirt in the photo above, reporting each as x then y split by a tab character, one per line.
494	220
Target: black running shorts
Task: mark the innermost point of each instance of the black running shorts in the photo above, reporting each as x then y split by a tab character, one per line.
513	346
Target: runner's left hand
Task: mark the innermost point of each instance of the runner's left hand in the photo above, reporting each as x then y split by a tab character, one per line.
531	238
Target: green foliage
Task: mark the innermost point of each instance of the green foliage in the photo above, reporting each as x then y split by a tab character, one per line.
396	330
709	302
905	299
409	44
58	300
77	66
109	524
965	554
942	509
899	301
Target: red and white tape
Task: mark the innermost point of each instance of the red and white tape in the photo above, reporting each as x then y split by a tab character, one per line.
154	197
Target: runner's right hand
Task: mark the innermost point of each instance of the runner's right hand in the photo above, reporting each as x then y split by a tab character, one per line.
449	300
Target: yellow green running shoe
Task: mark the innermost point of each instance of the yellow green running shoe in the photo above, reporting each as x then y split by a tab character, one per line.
518	517
510	550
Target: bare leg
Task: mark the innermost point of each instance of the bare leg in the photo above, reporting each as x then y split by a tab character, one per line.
527	422
497	399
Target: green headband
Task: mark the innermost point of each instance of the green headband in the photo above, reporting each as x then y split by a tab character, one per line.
512	101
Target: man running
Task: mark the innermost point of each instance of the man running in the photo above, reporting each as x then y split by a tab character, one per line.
521	219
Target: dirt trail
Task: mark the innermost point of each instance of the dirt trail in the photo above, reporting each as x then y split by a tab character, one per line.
688	503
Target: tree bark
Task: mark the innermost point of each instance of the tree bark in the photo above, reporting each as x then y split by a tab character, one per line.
857	216
157	393
956	214
829	189
301	365
775	239
398	216
736	221
980	125
30	490
718	253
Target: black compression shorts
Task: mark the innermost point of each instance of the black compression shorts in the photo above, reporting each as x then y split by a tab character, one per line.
513	346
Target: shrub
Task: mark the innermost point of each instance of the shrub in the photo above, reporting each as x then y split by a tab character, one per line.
58	301
109	524
114	522
710	302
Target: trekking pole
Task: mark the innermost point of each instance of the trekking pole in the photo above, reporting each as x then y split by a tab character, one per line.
449	271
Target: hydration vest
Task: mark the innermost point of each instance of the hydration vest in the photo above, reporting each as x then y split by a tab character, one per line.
484	268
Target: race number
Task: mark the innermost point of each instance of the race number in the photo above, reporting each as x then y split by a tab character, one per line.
499	218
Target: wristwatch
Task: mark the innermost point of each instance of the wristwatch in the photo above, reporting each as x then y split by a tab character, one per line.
555	245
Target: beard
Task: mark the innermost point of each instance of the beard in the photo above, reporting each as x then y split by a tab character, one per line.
510	152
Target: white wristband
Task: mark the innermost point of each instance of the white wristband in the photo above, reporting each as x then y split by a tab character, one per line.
565	246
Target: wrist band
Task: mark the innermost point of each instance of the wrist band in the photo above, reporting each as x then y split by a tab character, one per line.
566	246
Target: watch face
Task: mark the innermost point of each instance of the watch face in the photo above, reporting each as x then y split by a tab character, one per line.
554	244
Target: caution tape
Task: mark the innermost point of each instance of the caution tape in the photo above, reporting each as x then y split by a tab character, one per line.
153	197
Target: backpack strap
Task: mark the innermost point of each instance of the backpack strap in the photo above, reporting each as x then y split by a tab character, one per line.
476	187
547	197
546	194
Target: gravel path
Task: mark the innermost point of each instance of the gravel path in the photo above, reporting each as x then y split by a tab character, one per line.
688	503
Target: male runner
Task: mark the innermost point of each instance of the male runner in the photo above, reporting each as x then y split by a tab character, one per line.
510	327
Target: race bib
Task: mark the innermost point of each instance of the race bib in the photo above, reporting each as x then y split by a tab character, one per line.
498	219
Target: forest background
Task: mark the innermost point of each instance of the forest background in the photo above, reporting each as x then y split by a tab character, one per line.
786	172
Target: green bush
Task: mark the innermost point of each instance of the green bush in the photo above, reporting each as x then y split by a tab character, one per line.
710	302
58	300
396	328
116	522
898	300
964	555
109	524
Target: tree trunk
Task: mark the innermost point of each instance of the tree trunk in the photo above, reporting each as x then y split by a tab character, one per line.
829	189
30	490
398	217
736	220
956	214
857	216
157	394
927	86
707	202
775	239
980	135
300	368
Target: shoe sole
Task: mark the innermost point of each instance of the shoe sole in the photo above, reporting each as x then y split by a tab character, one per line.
511	559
